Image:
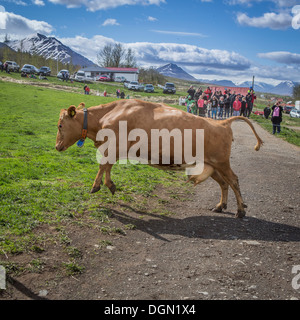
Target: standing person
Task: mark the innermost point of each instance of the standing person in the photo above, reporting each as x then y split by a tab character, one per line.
221	108
201	106
209	104
236	107
208	92
276	117
118	93
232	99
214	107
227	106
122	95
189	103
267	112
243	107
87	90
84	89
191	92
197	95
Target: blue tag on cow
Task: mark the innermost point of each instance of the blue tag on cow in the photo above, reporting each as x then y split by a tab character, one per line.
80	143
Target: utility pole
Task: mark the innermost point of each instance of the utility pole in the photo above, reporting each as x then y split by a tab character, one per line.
253	82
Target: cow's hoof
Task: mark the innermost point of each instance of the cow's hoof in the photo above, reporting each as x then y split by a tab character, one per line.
220	207
95	189
240	214
217	209
113	189
244	205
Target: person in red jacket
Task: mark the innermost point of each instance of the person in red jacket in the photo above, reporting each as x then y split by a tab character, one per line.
208	93
236	107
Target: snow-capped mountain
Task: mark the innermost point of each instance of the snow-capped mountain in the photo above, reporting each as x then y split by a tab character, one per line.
172	70
284	88
258	86
49	47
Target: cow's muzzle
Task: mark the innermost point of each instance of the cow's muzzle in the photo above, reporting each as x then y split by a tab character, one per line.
60	147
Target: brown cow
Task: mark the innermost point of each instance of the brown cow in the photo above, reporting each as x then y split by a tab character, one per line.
148	116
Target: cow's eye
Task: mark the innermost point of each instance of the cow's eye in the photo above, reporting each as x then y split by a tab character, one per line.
60	126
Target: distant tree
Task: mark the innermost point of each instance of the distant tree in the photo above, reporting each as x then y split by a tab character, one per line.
130	59
151	75
296	92
116	56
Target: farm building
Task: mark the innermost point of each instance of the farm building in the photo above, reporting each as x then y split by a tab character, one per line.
130	74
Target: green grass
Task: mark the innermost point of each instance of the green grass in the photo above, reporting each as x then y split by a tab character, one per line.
39	185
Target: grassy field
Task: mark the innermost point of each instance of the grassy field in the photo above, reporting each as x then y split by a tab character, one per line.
39	185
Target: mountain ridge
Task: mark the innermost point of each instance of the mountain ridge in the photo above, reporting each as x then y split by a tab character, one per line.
49	47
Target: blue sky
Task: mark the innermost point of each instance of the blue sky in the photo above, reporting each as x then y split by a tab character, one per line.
225	39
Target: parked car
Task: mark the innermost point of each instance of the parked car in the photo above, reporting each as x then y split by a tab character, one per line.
134	85
12	66
63	73
28	68
44	71
120	79
294	113
169	88
103	78
126	83
80	76
287	109
149	88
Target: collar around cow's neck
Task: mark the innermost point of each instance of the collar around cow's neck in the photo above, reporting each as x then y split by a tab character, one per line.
80	142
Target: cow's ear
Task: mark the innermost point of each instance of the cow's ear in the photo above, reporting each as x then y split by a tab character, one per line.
81	106
72	111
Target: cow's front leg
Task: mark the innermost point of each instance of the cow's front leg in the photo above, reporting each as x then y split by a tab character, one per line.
224	192
98	180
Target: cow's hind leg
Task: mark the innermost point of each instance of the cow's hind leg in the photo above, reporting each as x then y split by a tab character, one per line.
224	191
231	178
98	181
107	181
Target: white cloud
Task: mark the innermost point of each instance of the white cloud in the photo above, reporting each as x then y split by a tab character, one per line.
157	54
180	33
151	19
17	26
110	22
249	3
39	3
282	57
95	5
268	20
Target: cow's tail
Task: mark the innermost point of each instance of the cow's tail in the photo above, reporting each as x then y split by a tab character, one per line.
259	141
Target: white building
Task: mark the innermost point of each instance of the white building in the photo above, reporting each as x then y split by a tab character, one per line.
130	74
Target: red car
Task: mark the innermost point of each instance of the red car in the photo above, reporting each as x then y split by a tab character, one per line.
104	78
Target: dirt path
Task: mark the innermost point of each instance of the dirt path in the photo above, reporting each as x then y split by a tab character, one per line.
196	253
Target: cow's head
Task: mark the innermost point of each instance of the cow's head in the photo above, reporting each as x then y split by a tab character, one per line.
69	128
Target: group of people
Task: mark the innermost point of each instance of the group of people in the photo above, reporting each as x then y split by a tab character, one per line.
219	105
276	115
